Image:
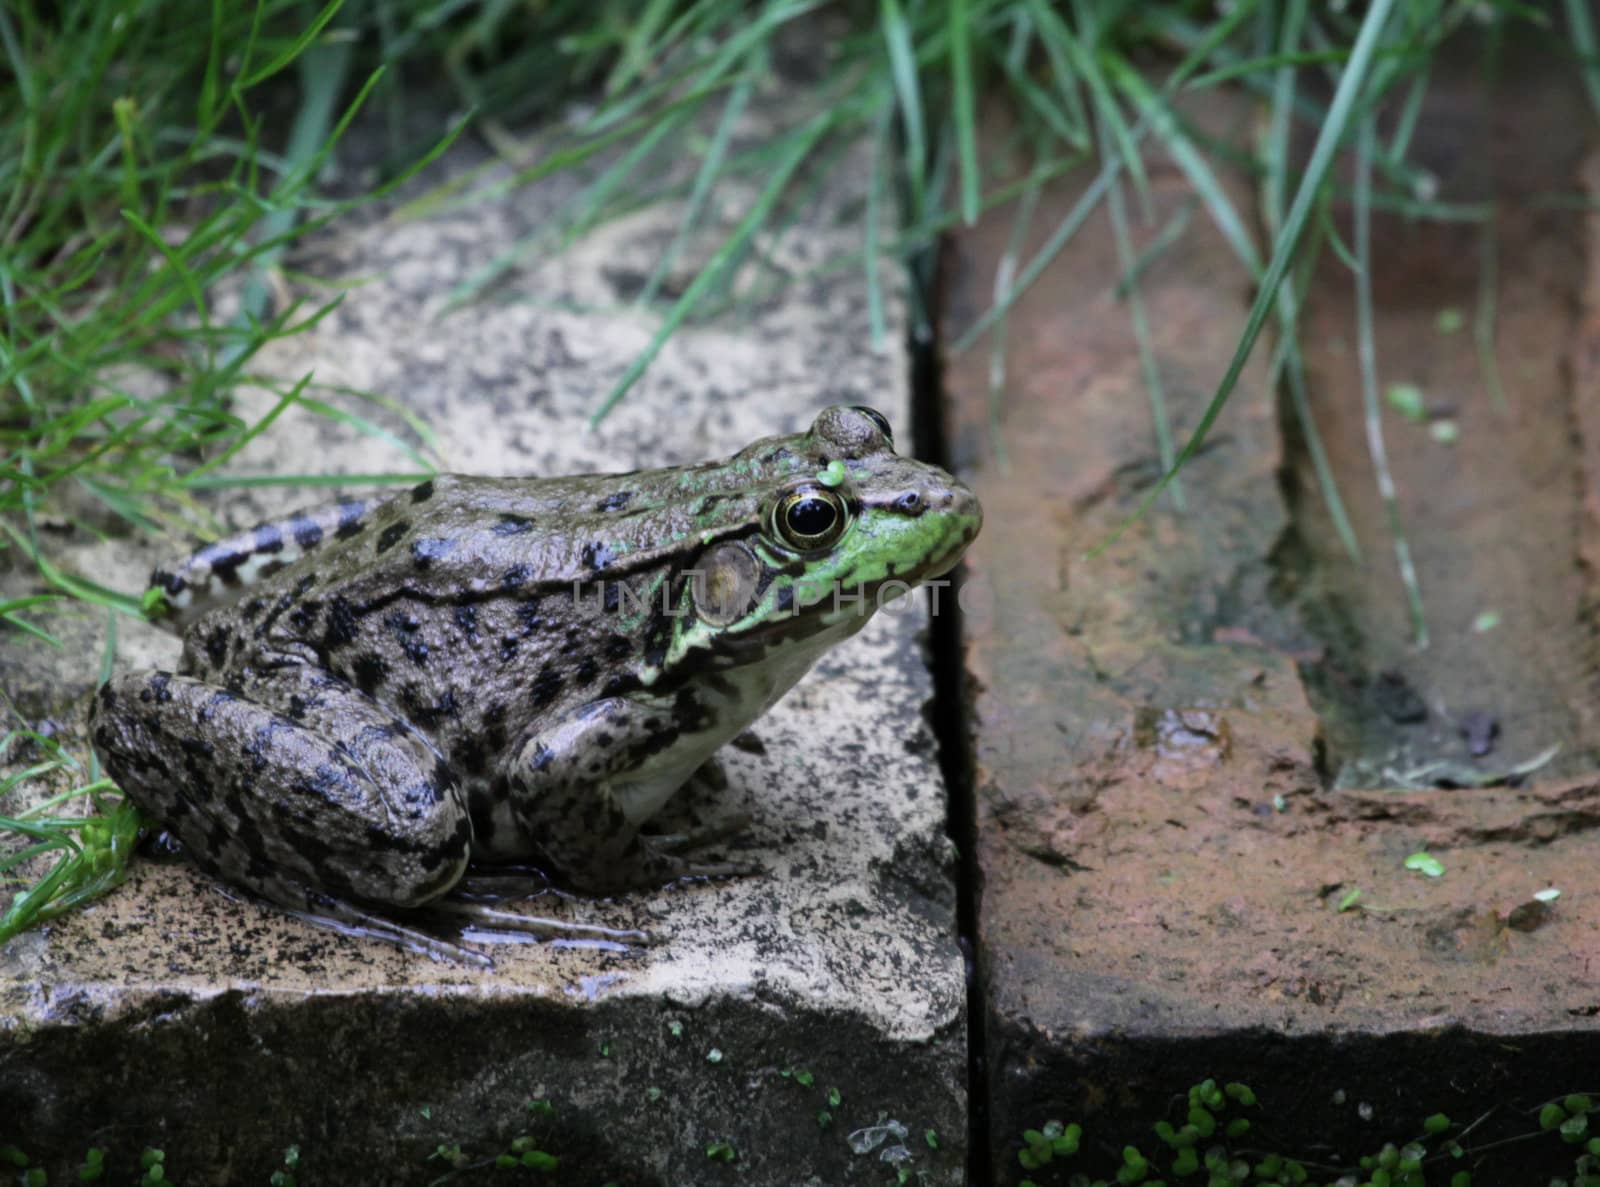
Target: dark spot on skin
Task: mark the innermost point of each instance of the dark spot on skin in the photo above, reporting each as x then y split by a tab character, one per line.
515	577
706	503
342	625
786	598
422	492
614	502
587	670
305	583
508	648
688	713
253	607
467	619
542	755
615	686
611	596
429	549
546	687
528	616
223	562
160	688
268	538
512	525
307	533
619	647
391	535
170	582
217	646
370	672
297	708
603	739
777	455
407	633
597	555
350	519
304	617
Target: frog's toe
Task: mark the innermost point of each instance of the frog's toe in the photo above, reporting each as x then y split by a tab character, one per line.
340	916
720	870
493	919
701	835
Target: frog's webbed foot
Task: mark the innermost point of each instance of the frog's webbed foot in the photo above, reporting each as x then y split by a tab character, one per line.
347	919
493	919
660	858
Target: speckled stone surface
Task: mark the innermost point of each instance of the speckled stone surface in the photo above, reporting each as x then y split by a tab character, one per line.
174	1015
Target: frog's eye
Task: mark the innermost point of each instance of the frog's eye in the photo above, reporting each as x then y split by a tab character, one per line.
876	418
810	517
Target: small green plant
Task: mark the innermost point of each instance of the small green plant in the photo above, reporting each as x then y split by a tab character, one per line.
1207	1147
91	849
525	1152
154	1163
93	1167
285	1176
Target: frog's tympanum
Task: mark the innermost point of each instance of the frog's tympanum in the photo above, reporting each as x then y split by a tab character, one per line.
374	694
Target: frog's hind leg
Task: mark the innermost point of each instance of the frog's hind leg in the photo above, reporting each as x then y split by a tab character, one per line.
291	784
215	574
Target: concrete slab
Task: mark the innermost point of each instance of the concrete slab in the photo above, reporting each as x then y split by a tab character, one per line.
173	1015
1162	856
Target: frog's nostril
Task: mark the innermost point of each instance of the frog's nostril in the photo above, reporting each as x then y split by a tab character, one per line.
910	503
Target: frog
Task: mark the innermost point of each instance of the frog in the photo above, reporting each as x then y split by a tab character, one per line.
377	695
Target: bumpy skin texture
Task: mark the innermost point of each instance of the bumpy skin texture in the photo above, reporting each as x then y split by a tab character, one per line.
374	695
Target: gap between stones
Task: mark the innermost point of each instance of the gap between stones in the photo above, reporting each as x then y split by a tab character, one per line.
947	711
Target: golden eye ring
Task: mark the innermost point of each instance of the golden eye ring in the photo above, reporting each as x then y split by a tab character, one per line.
809	518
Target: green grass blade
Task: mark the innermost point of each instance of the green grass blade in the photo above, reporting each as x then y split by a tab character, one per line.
1371	402
1065	230
1004	281
1580	18
966	108
908	89
802	144
294	50
704	183
285	401
1486	318
1342	109
871	250
1165	127
1149	368
1287	359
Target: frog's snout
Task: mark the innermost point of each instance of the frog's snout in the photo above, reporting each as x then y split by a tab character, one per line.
957	499
956	509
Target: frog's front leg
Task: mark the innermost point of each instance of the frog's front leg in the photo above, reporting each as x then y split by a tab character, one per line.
291	783
583	786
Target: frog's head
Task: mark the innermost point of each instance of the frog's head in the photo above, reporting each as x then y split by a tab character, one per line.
845	524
